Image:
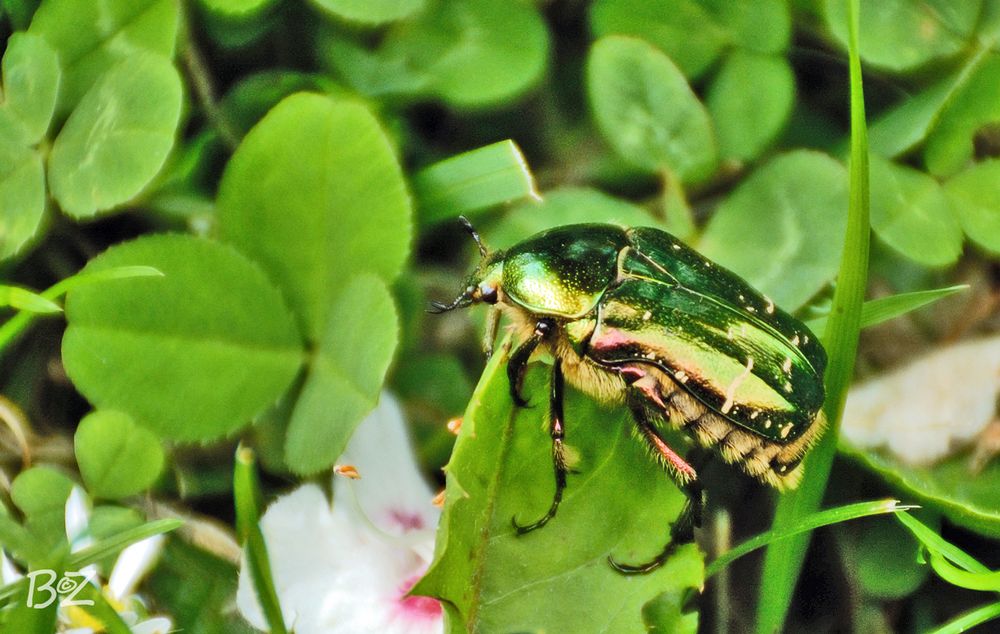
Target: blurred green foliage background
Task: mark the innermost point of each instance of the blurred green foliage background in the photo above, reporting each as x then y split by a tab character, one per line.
292	169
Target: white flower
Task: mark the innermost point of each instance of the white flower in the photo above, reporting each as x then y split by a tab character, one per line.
922	411
346	568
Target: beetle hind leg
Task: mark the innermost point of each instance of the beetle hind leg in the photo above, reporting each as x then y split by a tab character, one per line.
681	472
556	431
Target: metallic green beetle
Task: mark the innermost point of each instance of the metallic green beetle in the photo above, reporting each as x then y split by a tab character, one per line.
634	316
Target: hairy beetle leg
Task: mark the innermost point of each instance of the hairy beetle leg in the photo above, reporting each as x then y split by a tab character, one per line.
517	366
557	433
680	471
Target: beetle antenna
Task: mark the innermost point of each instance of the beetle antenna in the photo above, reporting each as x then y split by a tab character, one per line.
461	301
475	235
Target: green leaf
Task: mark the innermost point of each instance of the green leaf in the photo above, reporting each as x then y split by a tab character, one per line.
371	11
973	108
910	213
474	53
906	125
345	374
469	53
783	562
22	196
91	37
901	35
976	199
783	227
23	299
750	101
314	194
684	30
238	9
249	100
883	309
40	490
502	468
118	137
116	457
194	354
472	181
19	12
41	493
884	559
646	110
236	23
566	206
30	85
762	26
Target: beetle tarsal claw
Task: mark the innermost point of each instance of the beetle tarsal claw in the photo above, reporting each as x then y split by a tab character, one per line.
646	568
524	529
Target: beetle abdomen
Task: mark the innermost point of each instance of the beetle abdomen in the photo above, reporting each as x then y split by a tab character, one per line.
775	464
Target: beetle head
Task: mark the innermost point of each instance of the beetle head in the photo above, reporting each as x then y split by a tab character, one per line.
484	283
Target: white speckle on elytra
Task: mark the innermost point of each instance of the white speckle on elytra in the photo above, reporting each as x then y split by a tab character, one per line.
787	365
795	341
767	424
786	430
731	390
676	247
647	315
681	376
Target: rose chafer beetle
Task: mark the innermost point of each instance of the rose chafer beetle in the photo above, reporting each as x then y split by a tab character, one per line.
634	316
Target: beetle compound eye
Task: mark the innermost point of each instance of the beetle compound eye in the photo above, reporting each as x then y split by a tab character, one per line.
489	294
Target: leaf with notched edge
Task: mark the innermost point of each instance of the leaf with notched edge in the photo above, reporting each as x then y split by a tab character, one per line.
555	579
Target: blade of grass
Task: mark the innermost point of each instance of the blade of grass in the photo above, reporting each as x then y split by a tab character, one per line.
935	543
246	490
883	309
23	299
970	619
783	561
91	554
19	322
816	520
983	581
478	179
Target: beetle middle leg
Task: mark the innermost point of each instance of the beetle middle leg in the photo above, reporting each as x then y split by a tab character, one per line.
517	366
558	453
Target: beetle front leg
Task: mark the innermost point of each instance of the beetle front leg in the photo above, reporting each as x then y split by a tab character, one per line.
683	474
557	433
518	363
492	325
